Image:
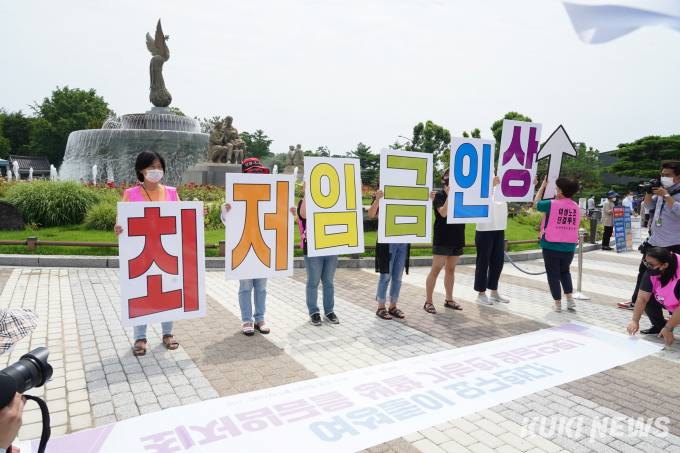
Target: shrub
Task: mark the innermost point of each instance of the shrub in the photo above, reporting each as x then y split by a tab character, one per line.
48	203
212	220
205	194
531	218
101	216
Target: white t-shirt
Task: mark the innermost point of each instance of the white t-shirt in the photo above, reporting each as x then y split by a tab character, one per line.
498	215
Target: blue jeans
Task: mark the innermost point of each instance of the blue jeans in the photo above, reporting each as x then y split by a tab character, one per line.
397	263
320	269
139	332
245	288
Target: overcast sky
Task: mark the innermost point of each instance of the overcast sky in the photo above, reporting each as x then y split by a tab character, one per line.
337	72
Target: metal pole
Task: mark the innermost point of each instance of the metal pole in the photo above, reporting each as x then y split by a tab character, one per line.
578	295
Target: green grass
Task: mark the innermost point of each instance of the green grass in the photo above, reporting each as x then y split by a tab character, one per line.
515	231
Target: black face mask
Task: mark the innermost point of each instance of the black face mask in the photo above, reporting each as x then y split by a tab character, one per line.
655	272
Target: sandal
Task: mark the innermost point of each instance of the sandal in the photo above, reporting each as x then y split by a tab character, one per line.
170	344
139	349
452	304
247	329
394	311
264	330
429	307
382	313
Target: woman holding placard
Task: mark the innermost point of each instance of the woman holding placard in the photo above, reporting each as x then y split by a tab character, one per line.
390	261
320	269
490	244
447	246
150	168
559	236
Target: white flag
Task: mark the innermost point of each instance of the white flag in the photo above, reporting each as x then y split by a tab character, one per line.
600	21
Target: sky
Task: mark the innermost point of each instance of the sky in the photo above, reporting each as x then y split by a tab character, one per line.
338	72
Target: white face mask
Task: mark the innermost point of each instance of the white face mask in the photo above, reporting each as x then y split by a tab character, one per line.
666	181
153	175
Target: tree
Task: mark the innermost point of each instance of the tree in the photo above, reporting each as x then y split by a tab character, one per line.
497	127
208	124
257	144
643	157
370	163
476	133
67	110
584	167
431	138
16	128
177	111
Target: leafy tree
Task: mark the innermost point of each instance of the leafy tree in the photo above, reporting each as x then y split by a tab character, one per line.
431	138
497	128
208	124
584	168
16	128
177	111
642	158
370	163
476	133
257	144
5	148
67	110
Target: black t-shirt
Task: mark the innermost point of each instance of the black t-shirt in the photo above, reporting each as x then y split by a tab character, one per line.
646	285
447	234
304	226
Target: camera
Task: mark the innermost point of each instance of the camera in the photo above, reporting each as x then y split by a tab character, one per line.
32	370
650	185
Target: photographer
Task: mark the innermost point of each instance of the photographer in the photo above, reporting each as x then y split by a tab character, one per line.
662	200
15	324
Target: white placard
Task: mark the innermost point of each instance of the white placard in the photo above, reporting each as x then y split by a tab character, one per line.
405	211
517	160
162	261
470	180
335	224
259	227
355	410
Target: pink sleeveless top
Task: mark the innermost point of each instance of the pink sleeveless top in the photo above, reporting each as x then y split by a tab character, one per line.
665	295
563	221
137	194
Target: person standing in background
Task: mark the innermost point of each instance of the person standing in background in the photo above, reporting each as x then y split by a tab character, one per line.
490	244
608	219
559	236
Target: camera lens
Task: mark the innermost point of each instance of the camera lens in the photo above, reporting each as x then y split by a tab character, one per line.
32	370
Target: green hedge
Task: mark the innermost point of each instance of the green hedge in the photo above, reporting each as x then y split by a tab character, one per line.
101	216
47	203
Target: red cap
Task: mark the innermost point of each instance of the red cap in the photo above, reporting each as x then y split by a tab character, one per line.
253	165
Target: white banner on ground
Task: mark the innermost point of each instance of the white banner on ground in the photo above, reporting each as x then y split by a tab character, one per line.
405	212
162	261
335	222
259	227
355	410
470	180
517	160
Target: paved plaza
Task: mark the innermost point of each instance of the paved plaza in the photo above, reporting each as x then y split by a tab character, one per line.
97	380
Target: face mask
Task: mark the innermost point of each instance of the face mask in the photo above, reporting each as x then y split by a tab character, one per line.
654	272
666	181
154	175
445	181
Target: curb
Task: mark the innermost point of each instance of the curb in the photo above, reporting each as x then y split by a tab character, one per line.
218	263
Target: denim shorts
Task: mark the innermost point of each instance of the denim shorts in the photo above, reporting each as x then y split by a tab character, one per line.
447	250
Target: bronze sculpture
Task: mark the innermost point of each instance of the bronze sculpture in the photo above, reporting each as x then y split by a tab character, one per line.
158	95
225	144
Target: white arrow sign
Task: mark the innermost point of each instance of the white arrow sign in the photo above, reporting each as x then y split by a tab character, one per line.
557	144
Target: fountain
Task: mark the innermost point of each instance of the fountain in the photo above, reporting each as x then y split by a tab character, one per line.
30	173
15	168
114	147
53	173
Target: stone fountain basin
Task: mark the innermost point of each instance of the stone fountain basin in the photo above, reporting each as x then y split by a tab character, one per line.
114	152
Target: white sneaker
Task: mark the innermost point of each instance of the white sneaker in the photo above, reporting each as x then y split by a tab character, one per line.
483	299
499	298
571	305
